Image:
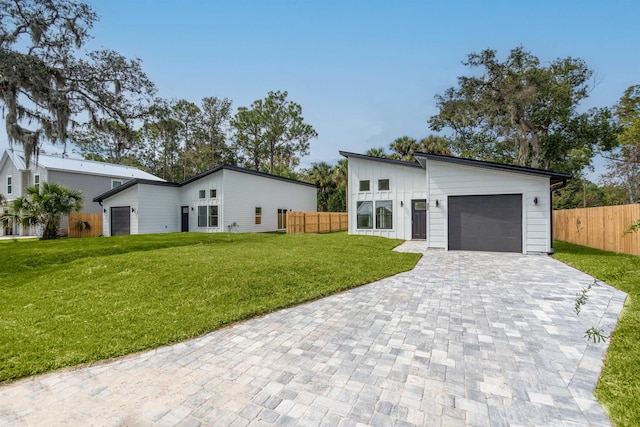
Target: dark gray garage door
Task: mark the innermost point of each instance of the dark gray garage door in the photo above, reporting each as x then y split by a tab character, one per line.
486	223
120	220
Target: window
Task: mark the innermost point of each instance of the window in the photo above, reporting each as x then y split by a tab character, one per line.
364	185
9	185
384	215
202	216
36	181
282	219
383	185
258	215
212	194
365	214
213	216
202	194
116	183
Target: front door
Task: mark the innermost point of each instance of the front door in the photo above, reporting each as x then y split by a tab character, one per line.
185	218
419	219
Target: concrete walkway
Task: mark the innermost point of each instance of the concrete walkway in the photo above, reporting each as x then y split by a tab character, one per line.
464	339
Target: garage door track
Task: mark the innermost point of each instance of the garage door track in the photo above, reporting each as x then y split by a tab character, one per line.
466	338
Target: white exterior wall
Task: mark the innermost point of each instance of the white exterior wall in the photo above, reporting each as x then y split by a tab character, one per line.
128	197
244	192
189	197
447	179
157	209
9	170
406	183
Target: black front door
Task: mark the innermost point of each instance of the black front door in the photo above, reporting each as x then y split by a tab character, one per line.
419	219
185	218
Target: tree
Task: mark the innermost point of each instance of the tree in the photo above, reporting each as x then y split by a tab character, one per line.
402	148
435	144
48	87
376	152
321	174
272	131
161	135
45	207
521	112
213	132
623	168
338	198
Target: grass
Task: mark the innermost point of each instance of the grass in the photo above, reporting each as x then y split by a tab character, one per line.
75	301
618	389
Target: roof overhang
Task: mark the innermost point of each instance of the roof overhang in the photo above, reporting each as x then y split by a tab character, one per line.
554	177
380	159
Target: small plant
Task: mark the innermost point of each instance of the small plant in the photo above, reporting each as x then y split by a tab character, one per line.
592	334
83	225
632	228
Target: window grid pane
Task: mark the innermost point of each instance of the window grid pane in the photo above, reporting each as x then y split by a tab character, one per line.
383	185
212	194
213	216
364	185
202	194
384	215
365	215
202	216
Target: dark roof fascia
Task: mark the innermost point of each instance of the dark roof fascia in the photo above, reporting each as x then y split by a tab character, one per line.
380	159
130	184
247	171
555	177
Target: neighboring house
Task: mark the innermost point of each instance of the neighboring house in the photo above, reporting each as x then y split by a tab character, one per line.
226	198
452	203
92	178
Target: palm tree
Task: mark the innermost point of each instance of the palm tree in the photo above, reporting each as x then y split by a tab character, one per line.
45	207
435	144
376	152
338	198
321	174
403	148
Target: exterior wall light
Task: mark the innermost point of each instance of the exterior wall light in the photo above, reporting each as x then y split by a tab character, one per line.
535	200
401	203
133	210
437	203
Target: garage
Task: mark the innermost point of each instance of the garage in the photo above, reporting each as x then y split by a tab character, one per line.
120	220
485	223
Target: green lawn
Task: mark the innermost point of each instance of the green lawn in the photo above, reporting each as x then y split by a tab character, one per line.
74	301
619	387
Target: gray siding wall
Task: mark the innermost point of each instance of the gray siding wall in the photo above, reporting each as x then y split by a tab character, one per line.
91	186
244	192
157	209
8	169
405	184
446	179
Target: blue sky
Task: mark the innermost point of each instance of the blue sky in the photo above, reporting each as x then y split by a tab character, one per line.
364	72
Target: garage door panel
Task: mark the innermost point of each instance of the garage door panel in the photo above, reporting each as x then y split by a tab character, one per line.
486	223
120	220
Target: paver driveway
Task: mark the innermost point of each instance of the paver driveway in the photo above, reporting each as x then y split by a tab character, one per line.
463	339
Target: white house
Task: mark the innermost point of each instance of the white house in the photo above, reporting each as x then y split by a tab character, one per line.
226	198
452	203
92	178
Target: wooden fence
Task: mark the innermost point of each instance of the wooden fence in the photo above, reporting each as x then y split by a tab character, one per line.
94	220
600	228
316	222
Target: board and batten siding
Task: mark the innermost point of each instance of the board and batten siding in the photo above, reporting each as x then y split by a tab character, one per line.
406	183
10	170
128	197
189	196
157	209
244	192
446	179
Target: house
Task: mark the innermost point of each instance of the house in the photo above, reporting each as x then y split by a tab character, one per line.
452	203
225	198
92	178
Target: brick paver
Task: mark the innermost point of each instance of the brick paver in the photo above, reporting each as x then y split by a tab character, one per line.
466	338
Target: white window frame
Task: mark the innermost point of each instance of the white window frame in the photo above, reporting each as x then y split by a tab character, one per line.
213	193
202	194
388	184
9	185
205	217
114	181
36	181
211	216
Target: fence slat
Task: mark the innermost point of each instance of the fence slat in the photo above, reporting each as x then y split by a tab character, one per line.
94	220
316	222
601	227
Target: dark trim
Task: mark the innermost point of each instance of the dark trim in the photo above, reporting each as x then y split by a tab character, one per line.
556	177
130	184
133	182
244	170
380	159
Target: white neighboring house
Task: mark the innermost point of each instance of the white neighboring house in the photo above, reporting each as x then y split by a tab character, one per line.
452	203
92	178
225	198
